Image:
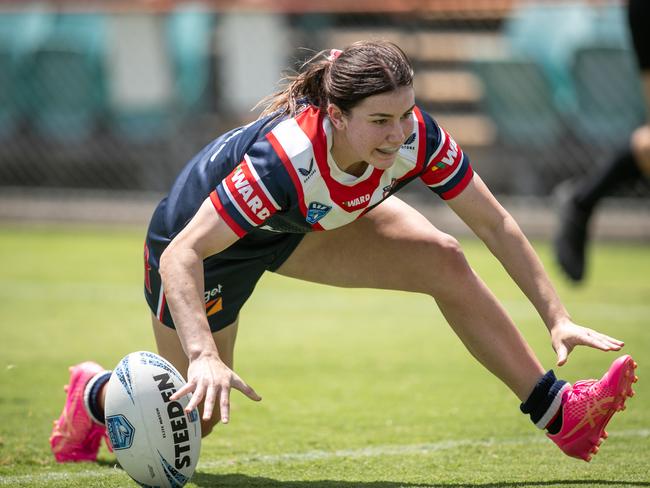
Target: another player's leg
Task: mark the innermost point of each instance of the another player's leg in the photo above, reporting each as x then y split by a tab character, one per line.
394	247
571	240
640	142
169	347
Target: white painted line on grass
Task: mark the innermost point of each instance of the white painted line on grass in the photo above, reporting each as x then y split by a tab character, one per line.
389	450
301	457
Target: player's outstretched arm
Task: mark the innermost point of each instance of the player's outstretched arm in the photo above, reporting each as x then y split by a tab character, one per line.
480	210
181	270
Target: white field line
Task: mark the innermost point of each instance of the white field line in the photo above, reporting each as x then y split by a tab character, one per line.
301	457
390	450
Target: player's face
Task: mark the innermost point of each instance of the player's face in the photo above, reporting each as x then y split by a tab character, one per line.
375	129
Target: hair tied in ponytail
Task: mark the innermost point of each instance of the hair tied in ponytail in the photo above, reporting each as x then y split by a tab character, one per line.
370	68
334	53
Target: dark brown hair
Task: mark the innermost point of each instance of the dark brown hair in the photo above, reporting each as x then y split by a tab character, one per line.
343	78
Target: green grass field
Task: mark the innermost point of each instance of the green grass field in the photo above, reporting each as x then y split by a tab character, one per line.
361	388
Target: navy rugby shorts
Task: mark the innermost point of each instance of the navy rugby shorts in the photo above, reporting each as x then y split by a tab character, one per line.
230	276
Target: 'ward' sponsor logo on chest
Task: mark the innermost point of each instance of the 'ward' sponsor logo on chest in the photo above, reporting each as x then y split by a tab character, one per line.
358	201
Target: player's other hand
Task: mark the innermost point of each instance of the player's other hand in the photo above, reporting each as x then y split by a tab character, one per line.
209	379
565	335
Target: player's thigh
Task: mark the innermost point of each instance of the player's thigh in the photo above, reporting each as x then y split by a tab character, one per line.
169	344
392	247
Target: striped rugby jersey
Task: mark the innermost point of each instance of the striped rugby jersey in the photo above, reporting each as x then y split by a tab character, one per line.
276	175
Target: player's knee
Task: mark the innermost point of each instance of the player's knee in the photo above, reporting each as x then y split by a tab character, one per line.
641	148
448	265
454	262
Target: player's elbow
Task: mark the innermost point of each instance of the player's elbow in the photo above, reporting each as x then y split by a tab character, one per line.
176	258
166	263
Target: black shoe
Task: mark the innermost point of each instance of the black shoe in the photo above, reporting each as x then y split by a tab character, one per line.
571	240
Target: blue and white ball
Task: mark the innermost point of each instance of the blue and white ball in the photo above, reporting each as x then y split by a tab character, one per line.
153	439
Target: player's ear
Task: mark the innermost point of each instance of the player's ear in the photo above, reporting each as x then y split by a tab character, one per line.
337	117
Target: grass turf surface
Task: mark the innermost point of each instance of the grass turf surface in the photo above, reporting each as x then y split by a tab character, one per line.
361	387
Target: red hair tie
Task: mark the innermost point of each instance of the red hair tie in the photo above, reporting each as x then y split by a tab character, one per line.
334	53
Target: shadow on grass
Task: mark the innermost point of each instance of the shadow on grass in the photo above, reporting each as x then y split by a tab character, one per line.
208	480
205	480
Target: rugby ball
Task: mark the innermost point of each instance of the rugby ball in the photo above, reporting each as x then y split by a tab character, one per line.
154	440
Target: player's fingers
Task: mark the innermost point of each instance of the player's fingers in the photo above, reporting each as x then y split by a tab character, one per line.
603	342
197	396
612	341
184	390
562	355
224	404
239	384
604	338
208	404
600	341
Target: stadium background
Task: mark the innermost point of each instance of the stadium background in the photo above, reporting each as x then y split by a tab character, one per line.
102	102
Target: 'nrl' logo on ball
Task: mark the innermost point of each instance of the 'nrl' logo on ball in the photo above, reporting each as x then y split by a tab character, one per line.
120	432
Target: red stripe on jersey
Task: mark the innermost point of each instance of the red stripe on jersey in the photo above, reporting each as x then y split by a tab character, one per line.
445	162
223	213
422	144
460	186
248	195
349	198
279	150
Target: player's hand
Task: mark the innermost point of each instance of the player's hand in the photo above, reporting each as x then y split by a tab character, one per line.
565	335
209	379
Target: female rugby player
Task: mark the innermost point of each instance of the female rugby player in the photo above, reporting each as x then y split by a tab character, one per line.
308	191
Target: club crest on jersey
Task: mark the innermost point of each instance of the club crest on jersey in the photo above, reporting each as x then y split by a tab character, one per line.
316	211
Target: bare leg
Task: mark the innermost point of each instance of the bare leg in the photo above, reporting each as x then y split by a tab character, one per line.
169	347
395	247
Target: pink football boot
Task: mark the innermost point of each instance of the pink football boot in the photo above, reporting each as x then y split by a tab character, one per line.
75	437
588	406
